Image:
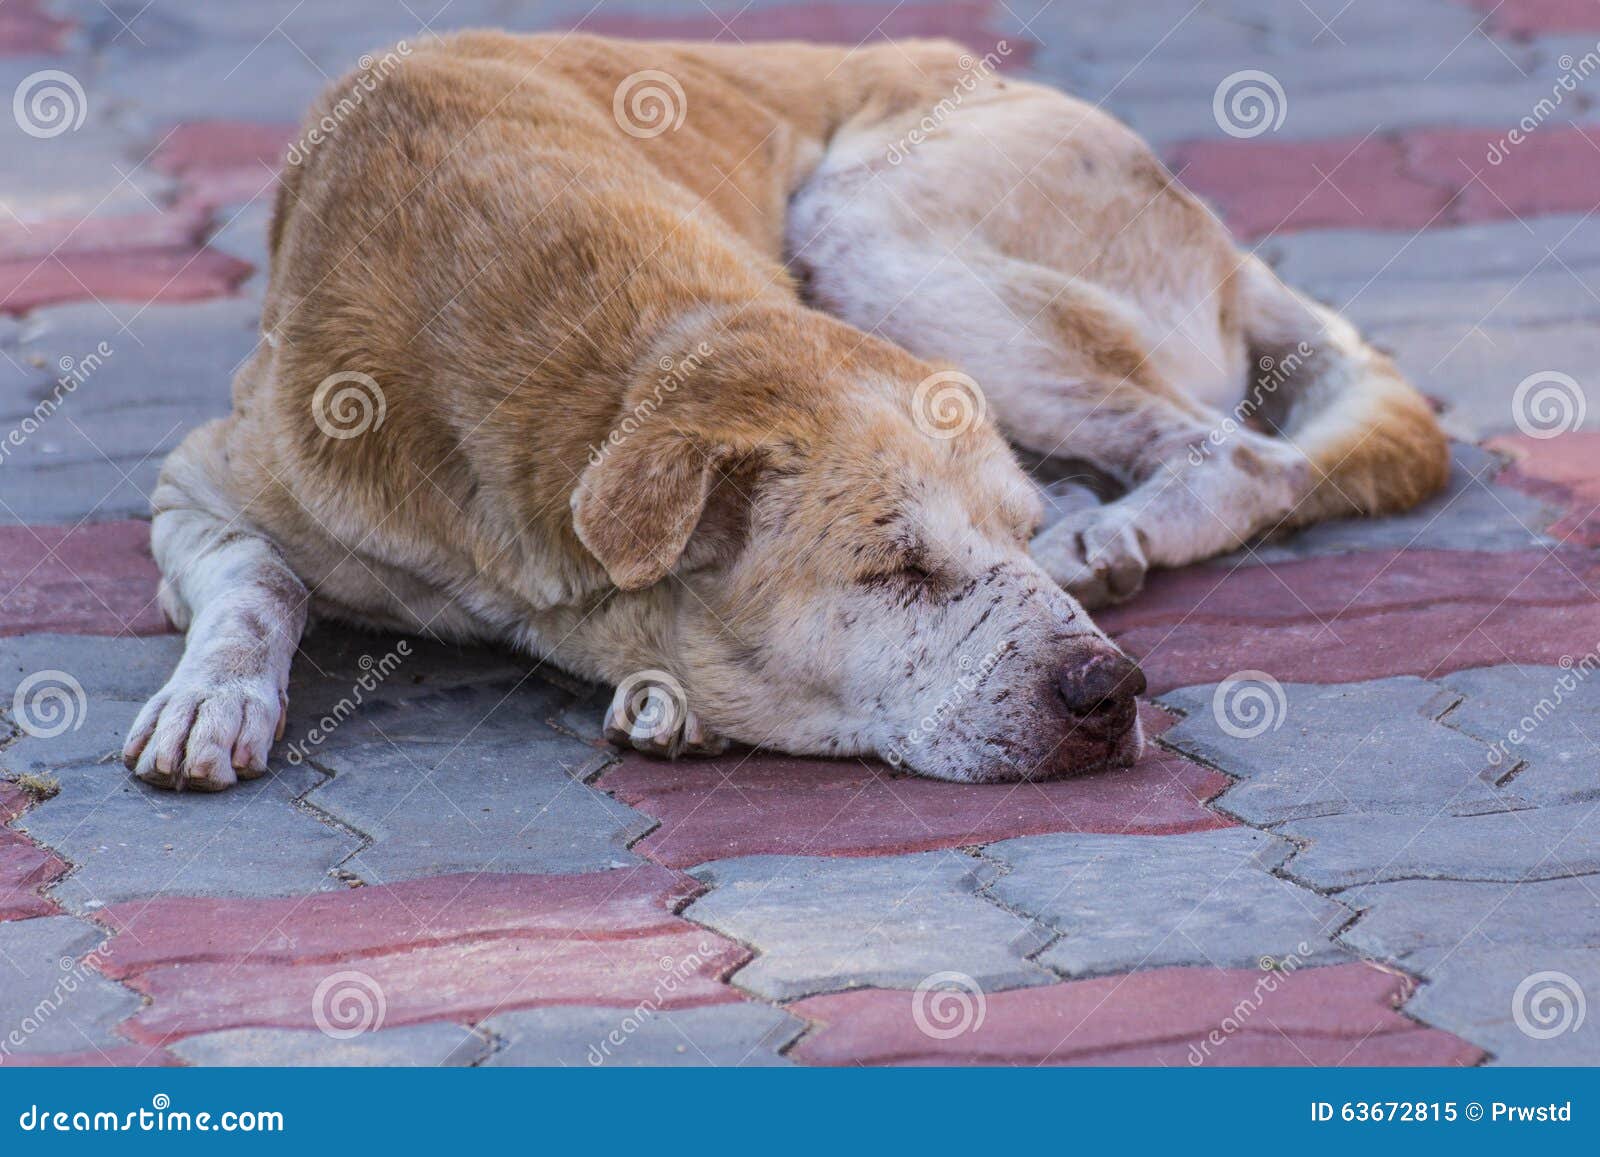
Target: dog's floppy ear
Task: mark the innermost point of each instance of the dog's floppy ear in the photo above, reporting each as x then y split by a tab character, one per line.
638	503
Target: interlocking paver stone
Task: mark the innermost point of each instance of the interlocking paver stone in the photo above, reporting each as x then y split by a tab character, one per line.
24	866
456	948
1118	903
819	925
742	1035
1563	469
1546	716
435	808
1421	923
1479	994
1365	747
417	1044
95	579
127	839
1529	844
50	1001
744	804
1340	1015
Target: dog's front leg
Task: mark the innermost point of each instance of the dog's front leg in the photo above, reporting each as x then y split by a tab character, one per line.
226	703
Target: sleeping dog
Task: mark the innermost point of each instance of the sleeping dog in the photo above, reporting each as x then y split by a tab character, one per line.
694	366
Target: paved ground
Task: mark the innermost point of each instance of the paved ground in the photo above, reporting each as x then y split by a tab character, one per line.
1367	833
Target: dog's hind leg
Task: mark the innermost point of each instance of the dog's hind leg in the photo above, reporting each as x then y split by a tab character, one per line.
244	611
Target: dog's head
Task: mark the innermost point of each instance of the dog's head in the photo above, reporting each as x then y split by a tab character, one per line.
847	572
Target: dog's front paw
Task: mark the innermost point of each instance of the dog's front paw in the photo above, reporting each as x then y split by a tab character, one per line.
650	713
1095	555
206	729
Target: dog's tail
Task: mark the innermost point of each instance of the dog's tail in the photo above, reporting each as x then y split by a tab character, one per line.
1372	440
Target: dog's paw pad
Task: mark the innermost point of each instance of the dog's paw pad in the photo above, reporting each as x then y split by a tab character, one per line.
655	718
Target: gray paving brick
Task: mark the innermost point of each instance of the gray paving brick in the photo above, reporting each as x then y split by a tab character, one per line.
129	668
1476	372
1471	513
506	806
1341	749
97	456
414	1045
1205	898
725	1035
1547	716
1531	844
1422	923
1475	994
1341	265
152	87
128	840
50	1002
821	925
95	169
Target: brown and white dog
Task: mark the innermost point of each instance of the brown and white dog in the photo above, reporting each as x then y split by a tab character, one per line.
719	391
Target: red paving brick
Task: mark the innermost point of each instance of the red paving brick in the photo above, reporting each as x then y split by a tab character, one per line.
1539	17
1565	470
1408	181
26	29
745	805
223	162
24	866
133	274
122	1057
95	579
1267	186
1341	1015
1360	616
968	21
174	229
453	947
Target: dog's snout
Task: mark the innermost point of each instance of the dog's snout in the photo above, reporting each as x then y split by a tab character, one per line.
1101	686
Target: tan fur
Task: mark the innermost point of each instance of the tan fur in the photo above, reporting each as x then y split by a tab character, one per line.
513	271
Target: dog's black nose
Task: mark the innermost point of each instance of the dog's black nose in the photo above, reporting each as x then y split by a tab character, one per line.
1103	685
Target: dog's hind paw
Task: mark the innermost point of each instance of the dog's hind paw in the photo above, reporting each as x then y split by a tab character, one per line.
650	713
1095	555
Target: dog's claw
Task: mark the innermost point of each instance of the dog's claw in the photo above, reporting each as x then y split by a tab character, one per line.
662	727
1095	555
